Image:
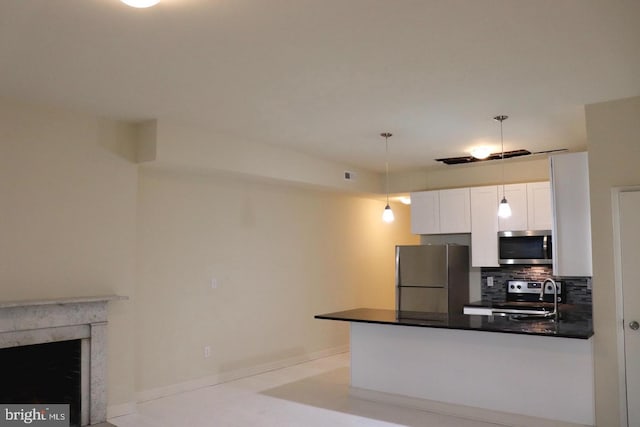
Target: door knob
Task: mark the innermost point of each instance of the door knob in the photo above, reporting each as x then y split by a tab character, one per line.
634	325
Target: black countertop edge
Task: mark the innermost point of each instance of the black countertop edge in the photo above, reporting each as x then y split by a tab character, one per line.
569	325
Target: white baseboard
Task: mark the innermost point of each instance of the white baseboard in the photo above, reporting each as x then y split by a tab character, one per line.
461	411
121	409
158	392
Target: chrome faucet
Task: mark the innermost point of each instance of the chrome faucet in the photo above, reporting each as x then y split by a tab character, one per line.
555	294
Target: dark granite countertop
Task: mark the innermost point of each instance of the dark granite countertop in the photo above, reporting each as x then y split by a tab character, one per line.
573	321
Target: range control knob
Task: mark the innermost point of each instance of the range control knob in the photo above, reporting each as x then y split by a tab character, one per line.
519	287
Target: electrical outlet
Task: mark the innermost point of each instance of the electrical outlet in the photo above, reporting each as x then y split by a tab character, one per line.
214	283
490	281
207	351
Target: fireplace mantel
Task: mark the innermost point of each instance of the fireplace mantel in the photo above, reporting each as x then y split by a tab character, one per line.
54	301
48	320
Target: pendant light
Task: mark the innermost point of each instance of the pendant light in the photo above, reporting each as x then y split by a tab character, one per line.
504	210
481	152
140	4
387	214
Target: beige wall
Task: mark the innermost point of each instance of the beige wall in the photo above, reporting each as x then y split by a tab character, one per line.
68	206
280	254
77	219
613	130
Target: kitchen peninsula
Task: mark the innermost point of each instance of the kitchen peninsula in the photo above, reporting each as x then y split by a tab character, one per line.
541	369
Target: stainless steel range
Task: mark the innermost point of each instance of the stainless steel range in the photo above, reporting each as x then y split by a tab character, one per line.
527	291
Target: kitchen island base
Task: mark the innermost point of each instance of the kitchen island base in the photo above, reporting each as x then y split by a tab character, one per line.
534	376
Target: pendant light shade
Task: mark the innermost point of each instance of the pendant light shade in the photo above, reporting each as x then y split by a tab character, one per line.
387	214
504	210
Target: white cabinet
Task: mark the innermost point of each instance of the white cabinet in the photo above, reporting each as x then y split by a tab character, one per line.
455	211
484	226
516	195
451	211
425	212
440	212
539	206
530	206
571	214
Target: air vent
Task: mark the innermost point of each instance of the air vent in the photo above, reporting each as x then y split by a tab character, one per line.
349	176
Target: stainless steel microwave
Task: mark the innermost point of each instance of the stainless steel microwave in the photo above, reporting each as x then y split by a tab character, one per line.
525	247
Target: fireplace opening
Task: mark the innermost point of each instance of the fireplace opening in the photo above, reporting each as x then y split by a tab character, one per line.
43	374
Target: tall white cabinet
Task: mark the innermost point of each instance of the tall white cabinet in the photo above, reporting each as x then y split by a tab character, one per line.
484	226
571	214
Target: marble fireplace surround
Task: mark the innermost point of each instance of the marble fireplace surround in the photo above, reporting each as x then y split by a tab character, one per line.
45	321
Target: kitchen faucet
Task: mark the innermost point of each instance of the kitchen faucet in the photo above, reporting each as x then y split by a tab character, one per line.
555	294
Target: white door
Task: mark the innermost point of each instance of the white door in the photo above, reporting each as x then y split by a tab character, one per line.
629	202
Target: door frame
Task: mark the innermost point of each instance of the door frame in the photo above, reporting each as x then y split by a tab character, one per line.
617	269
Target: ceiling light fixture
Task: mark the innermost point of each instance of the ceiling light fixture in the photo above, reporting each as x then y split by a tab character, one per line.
387	214
140	4
504	210
481	152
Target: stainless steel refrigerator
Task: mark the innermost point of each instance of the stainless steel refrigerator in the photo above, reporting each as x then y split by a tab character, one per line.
431	279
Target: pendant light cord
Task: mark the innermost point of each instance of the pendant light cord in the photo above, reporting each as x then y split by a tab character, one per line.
386	163
502	161
502	119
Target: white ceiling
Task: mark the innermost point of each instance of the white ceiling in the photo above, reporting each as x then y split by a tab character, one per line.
327	76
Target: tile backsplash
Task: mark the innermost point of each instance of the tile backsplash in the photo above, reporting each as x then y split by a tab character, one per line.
577	289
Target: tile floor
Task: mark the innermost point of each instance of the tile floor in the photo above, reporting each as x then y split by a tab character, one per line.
311	394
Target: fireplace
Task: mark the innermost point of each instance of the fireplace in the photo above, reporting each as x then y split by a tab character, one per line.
43	374
61	342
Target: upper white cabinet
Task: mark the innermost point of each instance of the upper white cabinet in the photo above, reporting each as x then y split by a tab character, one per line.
425	212
484	226
455	211
516	195
440	212
530	206
451	211
571	214
539	206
